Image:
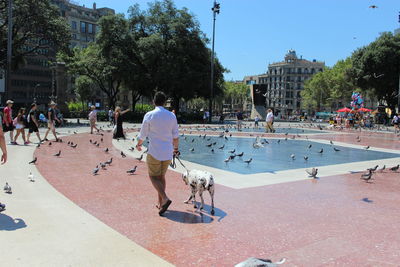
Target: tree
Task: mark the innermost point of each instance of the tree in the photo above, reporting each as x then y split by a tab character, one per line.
104	62
36	25
84	89
235	93
376	67
173	52
328	88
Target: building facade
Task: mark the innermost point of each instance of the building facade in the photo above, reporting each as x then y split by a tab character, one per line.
280	87
42	78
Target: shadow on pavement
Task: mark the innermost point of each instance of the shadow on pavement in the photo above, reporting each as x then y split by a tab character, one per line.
187	217
9	224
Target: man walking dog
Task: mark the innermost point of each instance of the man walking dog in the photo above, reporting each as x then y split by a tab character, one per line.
161	127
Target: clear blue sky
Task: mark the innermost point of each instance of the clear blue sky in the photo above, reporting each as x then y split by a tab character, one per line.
252	33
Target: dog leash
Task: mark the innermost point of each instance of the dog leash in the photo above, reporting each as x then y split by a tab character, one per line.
173	163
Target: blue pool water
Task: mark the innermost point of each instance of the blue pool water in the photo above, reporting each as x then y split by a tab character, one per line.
273	157
262	130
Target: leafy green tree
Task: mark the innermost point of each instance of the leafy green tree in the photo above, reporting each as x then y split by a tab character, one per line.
328	88
173	52
84	88
37	24
376	67
104	62
235	93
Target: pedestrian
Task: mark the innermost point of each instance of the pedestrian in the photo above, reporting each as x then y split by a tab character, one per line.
239	117
51	119
111	116
256	120
270	121
161	128
20	124
118	130
3	158
8	120
206	116
396	121
33	123
93	119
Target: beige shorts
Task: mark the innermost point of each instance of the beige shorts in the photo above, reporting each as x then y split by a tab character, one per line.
157	167
50	125
92	123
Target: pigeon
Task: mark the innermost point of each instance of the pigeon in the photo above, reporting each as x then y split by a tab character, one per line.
123	154
252	262
279	141
305	157
103	165
367	176
38	145
101	139
95	170
313	173
69	142
95	143
192	149
309	146
140	158
226	138
373	169
336	149
57	154
331	142
192	140
132	171
383	168
222	147
74	146
231	157
7	189
373	6
131	149
108	162
75	133
90	141
248	161
31	177
33	161
395	168
2	207
106	150
49	143
209	145
98	144
240	154
293	156
227	160
321	151
212	150
232	151
266	141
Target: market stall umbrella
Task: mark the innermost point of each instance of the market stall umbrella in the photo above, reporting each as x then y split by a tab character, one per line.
364	110
344	110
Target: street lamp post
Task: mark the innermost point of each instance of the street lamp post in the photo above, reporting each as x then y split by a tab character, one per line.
34	92
215	9
9	50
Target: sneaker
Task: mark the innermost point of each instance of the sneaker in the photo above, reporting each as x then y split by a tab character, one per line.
26	143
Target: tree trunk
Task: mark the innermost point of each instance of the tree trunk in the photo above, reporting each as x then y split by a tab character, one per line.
175	104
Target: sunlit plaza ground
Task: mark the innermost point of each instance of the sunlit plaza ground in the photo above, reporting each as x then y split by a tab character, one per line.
269	208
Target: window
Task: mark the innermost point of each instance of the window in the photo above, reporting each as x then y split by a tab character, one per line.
90	28
83	26
74	25
74	36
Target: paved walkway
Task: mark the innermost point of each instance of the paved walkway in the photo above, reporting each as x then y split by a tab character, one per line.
110	219
41	227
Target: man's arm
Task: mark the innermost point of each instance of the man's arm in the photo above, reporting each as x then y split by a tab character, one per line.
175	135
49	116
3	147
125	111
144	132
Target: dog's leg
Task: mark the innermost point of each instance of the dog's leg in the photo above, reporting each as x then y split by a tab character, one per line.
194	198
211	191
190	198
202	199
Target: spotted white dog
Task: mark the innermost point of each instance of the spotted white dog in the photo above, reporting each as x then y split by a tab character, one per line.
199	181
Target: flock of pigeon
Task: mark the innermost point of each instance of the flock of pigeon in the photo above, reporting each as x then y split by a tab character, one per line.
370	172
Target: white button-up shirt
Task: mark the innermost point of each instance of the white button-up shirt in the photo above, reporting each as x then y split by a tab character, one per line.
161	127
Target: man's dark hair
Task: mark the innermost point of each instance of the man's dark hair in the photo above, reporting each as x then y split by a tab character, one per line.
159	99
